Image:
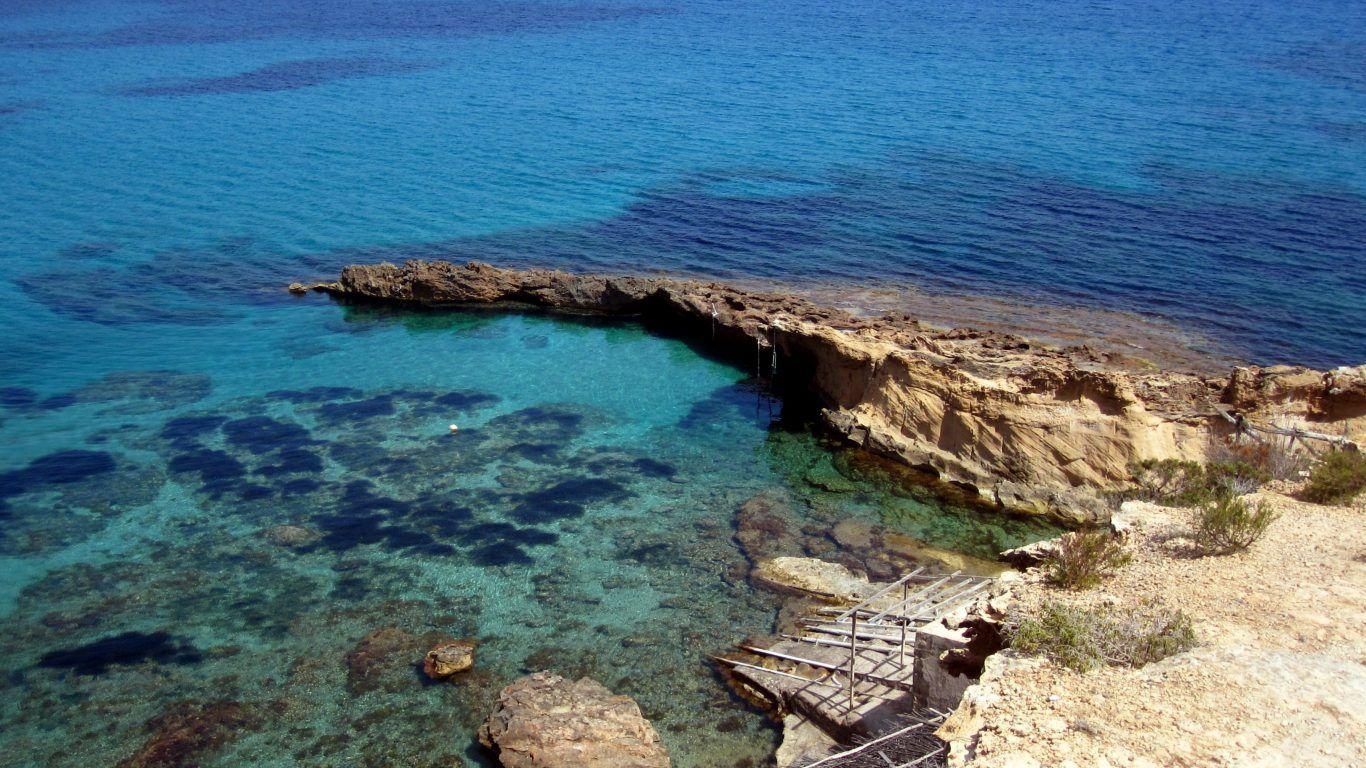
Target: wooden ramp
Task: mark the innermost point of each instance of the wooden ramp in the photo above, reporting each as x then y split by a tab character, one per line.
851	669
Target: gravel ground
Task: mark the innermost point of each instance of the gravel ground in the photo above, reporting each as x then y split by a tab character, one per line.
1278	678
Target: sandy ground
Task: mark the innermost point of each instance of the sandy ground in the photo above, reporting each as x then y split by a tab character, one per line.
1278	678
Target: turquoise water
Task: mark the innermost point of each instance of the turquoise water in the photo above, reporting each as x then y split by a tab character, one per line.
243	564
166	166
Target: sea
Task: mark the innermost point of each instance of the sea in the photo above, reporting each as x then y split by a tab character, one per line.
232	519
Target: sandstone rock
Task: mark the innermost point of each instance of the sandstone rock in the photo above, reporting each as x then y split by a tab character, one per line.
1030	555
545	721
298	289
803	742
809	576
1032	429
447	659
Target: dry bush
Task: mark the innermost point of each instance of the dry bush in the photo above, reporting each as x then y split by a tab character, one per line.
1085	558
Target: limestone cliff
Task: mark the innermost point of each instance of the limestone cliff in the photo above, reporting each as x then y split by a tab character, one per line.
1029	428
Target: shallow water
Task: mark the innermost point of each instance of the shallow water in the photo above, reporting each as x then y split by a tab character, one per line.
581	520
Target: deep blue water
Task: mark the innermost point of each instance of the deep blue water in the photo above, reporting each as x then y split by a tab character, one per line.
165	167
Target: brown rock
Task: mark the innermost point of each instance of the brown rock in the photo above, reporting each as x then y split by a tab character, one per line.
545	721
447	659
766	527
383	659
188	731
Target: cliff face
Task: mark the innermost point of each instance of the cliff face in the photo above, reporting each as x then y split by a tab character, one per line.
1032	429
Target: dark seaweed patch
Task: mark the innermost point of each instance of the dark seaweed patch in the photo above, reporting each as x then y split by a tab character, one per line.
360	410
213	466
543	422
118	650
653	468
185	429
64	467
253	492
314	394
17	397
445	520
300	487
350	588
262	434
283	76
543	511
295	461
581	490
723	405
500	554
541	453
57	402
467	400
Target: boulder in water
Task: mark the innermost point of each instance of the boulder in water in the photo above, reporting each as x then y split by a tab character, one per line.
546	721
446	659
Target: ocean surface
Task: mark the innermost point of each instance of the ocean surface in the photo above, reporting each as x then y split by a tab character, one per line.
231	517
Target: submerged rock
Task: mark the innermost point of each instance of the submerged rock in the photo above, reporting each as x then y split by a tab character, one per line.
290	535
188	731
383	660
545	721
446	659
766	527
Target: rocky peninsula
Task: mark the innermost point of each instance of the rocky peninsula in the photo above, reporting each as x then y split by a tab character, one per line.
1012	424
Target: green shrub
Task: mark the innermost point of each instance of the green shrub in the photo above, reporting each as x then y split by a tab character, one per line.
1168	481
1177	483
1085	638
1227	524
1085	558
1337	479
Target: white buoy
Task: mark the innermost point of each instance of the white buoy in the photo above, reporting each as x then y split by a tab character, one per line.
454	429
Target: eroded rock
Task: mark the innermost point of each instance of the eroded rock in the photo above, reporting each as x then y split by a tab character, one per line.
546	721
447	659
1029	428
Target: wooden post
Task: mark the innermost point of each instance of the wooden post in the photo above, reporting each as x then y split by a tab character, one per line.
853	654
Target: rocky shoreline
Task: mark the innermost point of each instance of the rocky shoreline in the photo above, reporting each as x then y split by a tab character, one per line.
1027	428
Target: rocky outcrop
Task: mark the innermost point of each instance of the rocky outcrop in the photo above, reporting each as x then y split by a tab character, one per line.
1031	429
545	721
811	577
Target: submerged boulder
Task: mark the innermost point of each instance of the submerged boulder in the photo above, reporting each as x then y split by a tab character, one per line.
446	659
546	721
765	526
